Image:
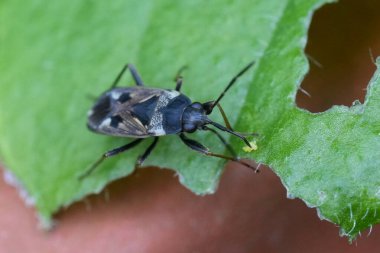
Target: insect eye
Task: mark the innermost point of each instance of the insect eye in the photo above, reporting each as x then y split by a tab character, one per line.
197	105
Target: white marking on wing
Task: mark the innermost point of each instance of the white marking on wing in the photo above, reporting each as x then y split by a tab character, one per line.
105	123
90	112
115	95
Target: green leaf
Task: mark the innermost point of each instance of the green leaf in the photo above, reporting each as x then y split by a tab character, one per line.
57	54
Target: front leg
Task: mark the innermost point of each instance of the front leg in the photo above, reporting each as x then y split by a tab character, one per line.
221	138
194	145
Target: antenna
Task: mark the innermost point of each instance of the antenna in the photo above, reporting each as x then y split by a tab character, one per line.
229	131
229	86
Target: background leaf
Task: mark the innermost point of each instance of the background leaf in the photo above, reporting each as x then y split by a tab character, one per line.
54	55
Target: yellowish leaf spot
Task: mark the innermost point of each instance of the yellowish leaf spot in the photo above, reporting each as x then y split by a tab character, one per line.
250	149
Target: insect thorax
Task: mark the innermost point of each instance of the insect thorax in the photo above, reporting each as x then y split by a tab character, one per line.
167	117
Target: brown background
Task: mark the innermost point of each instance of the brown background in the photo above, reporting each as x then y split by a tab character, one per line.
151	212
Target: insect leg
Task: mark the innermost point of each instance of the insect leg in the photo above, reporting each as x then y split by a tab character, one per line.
178	84
178	78
226	121
134	73
108	154
147	152
204	150
221	138
208	106
228	125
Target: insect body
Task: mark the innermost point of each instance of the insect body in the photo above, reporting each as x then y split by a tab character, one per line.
141	112
138	112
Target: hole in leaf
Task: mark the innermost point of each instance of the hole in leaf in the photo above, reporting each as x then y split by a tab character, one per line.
341	37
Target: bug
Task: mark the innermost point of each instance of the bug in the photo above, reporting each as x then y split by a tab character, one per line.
140	112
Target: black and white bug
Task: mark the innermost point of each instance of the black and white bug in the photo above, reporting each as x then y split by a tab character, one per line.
140	112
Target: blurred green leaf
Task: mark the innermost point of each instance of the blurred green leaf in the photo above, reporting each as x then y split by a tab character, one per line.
54	55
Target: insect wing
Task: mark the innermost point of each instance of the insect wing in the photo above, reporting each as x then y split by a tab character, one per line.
124	112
